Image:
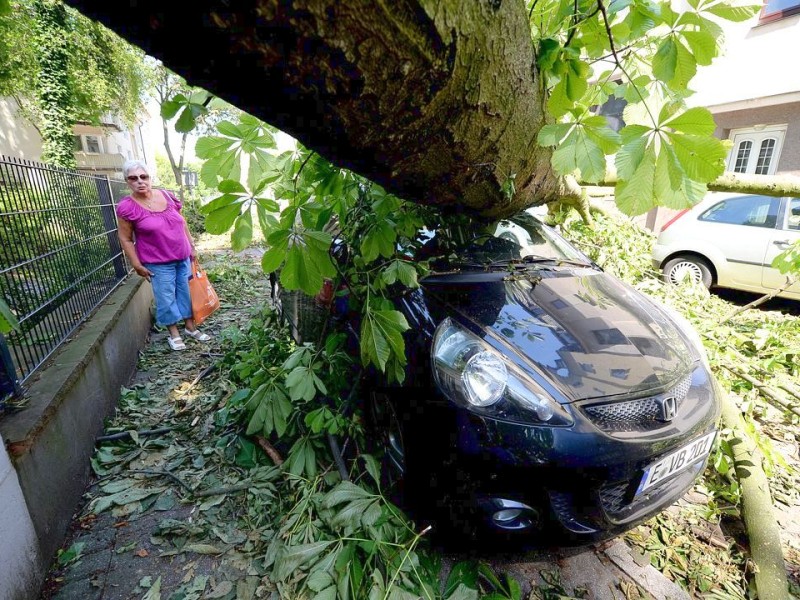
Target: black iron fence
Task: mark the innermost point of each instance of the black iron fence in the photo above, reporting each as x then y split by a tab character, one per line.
59	254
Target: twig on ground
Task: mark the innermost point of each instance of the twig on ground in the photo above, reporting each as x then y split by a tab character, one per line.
202	374
759	301
126	434
767	392
241	487
270	450
162	474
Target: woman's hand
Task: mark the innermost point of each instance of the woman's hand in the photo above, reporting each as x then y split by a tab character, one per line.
143	271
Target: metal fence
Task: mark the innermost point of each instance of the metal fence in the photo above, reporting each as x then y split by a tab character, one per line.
59	254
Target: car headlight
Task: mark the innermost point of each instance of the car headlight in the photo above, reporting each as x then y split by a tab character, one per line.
474	375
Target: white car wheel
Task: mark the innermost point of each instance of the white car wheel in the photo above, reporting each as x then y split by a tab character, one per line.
678	270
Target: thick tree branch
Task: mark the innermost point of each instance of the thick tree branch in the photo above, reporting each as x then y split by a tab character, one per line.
421	98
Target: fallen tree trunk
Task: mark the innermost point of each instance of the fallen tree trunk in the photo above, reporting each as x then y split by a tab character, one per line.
764	185
759	519
439	102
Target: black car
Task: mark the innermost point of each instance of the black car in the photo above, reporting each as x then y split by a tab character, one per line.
543	397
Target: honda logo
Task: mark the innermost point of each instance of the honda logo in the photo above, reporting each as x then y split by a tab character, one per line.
669	408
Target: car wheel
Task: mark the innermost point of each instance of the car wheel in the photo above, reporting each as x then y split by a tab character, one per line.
693	268
388	433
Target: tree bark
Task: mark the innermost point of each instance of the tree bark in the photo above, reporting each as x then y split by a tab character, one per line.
439	102
759	519
764	185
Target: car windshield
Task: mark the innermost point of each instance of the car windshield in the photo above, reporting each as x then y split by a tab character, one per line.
521	239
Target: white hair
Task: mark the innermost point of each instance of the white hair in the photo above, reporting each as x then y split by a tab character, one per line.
132	165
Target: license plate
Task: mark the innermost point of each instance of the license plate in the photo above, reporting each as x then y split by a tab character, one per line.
676	461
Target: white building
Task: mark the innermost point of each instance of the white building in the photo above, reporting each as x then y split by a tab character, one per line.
100	149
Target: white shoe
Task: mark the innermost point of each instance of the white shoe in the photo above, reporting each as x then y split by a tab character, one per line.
198	335
176	343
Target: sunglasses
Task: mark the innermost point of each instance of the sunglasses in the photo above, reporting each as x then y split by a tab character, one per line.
143	177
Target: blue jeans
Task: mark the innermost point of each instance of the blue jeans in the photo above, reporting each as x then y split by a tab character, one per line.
171	290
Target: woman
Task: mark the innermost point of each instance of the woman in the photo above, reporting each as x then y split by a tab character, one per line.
161	251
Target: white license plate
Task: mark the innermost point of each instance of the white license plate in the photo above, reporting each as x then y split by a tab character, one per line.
676	461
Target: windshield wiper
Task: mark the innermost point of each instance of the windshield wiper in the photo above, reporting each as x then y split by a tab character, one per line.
533	260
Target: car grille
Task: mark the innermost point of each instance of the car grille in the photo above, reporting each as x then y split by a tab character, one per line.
641	414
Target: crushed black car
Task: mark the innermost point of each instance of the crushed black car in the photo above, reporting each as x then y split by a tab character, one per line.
543	398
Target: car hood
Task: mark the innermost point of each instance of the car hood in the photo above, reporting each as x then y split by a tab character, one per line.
588	333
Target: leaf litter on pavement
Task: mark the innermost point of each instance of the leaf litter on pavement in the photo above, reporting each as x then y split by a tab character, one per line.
206	496
184	483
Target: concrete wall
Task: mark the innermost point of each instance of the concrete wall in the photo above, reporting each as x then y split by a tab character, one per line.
19	554
51	441
789	114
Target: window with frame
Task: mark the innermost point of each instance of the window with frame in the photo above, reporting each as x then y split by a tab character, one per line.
778	9
92	144
752	211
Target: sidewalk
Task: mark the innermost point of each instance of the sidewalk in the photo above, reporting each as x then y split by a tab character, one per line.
171	515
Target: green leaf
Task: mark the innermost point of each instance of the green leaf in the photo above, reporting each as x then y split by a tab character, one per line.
379	240
210	146
221	220
274	257
243	232
229	186
685	67
300	384
381	335
307	261
726	10
695	121
464	573
294	557
576	83
186	121
8	320
229	129
402	271
665	60
170	108
558	103
328	593
551	135
154	593
345	491
636	195
583	149
703	46
703	158
634	140
549	51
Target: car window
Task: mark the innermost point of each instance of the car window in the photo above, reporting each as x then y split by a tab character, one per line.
753	211
793	219
510	239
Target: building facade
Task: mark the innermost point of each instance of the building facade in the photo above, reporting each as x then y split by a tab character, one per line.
99	149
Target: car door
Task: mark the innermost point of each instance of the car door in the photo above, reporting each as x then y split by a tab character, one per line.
741	227
787	233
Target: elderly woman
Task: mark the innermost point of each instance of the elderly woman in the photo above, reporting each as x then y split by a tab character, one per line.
158	244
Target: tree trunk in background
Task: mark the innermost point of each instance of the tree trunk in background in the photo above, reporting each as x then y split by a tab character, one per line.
54	93
439	102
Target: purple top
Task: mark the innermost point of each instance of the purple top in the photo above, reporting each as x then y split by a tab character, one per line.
160	236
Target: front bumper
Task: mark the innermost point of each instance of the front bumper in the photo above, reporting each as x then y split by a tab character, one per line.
580	483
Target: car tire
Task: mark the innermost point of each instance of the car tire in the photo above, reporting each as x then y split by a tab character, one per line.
697	269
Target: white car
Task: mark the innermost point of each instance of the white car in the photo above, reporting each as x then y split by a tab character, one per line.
730	240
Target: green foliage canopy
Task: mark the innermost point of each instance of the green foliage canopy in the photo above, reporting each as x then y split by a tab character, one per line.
63	68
